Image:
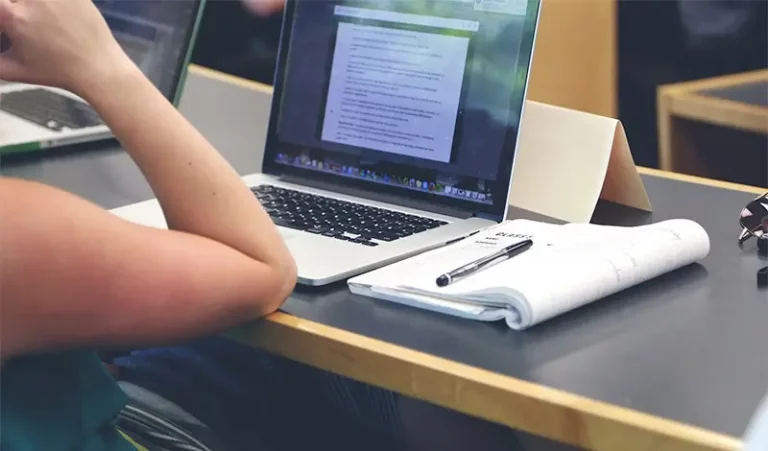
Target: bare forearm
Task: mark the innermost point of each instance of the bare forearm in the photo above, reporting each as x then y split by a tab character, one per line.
198	190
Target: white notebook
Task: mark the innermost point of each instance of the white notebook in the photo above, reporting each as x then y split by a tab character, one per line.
567	267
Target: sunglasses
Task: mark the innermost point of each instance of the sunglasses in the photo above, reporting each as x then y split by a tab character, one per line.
754	219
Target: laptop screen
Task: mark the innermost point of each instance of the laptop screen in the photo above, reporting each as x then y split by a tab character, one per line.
417	98
156	34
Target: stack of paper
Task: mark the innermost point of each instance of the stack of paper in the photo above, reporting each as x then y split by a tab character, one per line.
568	266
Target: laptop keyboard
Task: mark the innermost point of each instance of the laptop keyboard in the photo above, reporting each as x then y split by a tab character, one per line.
49	109
348	221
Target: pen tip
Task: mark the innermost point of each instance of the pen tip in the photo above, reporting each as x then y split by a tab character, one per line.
442	281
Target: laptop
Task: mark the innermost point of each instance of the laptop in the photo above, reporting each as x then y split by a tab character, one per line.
393	128
157	34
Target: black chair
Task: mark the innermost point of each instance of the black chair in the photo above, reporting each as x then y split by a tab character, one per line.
160	425
156	423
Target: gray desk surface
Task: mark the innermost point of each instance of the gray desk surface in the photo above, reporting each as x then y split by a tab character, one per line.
751	93
691	347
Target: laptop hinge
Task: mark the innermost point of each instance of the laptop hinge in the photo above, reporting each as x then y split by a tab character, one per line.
488	216
380	197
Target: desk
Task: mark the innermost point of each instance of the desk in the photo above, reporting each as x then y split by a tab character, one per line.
677	364
717	127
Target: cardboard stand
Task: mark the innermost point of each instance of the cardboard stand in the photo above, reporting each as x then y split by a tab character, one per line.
567	160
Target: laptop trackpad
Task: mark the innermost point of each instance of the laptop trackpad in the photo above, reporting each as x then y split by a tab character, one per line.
287	235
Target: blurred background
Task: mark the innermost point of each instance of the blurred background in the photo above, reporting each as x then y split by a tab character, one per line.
687	78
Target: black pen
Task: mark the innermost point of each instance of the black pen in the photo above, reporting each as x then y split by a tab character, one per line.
477	265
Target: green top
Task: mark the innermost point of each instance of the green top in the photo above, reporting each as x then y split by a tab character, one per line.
65	401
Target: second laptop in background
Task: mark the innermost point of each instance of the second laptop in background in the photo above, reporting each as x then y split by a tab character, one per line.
156	34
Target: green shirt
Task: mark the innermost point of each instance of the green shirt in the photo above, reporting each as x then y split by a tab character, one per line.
66	401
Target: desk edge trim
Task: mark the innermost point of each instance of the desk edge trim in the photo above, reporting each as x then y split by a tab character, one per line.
545	411
229	78
701	181
721	81
717	111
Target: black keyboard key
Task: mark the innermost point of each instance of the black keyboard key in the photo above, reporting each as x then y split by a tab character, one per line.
339	219
287	223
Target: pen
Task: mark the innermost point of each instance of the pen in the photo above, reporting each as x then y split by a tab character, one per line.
477	265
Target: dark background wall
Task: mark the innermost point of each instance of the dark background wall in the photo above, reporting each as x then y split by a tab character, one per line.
233	40
664	42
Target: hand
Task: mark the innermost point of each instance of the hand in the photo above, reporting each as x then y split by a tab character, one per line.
264	7
63	43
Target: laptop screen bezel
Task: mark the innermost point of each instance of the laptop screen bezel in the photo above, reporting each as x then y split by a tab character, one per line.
88	142
191	39
496	211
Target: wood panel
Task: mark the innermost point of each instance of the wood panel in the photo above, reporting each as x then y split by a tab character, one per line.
713	137
574	62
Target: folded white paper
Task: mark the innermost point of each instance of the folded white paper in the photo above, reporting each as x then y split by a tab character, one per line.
568	266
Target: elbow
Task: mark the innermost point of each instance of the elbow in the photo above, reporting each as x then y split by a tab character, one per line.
284	281
289	274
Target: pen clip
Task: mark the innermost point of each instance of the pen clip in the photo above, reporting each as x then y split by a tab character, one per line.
456	240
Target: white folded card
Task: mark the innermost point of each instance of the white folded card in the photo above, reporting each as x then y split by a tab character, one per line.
568	266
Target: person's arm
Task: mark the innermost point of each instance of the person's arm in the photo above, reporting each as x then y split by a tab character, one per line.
74	275
199	191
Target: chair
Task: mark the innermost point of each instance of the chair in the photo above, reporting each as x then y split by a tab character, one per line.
160	425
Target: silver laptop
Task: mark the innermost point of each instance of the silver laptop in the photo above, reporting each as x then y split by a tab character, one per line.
393	128
158	35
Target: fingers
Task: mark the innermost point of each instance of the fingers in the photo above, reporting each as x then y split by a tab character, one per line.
6	14
7	67
264	7
5	9
10	70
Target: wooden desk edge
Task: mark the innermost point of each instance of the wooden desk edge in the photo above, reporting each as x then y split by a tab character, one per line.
723	112
722	81
228	78
516	403
701	181
539	410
